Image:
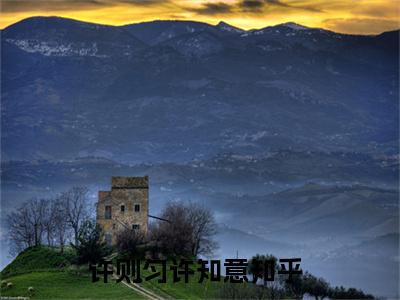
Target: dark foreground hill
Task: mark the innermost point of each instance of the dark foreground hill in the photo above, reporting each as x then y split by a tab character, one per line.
44	273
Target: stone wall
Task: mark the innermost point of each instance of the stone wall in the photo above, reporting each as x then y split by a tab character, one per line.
127	192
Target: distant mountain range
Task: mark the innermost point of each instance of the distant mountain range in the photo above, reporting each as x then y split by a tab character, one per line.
178	90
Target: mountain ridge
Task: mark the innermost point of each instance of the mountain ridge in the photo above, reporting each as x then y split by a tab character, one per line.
220	23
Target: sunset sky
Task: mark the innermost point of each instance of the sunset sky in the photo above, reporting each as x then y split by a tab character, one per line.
348	16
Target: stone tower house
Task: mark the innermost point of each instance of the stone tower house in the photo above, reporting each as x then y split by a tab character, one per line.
125	206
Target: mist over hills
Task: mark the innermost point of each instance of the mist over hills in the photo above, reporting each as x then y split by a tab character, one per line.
289	133
334	227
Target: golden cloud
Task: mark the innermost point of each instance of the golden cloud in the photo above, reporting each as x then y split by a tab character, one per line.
362	16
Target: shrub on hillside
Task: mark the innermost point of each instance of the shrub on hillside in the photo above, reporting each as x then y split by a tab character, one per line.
91	246
301	285
130	242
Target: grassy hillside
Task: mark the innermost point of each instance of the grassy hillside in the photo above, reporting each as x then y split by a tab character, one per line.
36	259
65	285
181	290
52	276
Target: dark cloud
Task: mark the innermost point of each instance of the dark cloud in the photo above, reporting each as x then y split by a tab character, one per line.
251	5
140	2
309	8
276	2
213	9
13	6
259	5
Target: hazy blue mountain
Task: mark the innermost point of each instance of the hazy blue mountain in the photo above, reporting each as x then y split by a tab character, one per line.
56	36
155	32
74	89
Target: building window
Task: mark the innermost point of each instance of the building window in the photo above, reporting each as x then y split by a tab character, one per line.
108	212
114	226
135	226
137	207
122	208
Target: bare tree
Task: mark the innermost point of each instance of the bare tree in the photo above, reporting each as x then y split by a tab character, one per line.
174	237
59	222
52	219
75	201
48	220
21	233
203	229
26	225
36	212
190	230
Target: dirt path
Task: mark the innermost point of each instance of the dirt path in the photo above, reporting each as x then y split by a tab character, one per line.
142	291
136	287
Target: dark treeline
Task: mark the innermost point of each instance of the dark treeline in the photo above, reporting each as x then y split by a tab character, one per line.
280	288
184	230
